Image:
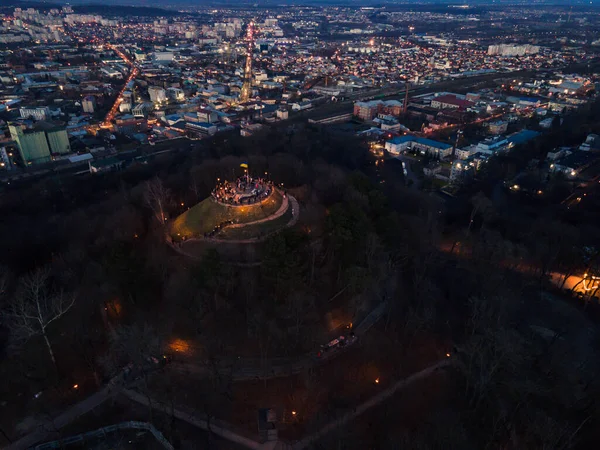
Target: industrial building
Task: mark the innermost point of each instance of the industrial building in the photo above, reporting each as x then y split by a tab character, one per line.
38	144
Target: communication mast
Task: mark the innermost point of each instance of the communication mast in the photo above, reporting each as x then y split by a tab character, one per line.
247	82
459	134
405	106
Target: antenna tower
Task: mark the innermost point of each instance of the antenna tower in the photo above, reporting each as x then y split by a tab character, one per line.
247	82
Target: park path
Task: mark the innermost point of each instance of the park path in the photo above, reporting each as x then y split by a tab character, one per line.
48	429
215	426
565	282
224	429
102	433
241	369
280	212
180	248
295	212
277	214
244	369
370	403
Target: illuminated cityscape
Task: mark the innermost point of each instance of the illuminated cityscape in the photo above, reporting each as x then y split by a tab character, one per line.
247	80
310	225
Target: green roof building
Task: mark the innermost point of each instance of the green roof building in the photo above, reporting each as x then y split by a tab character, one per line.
33	145
37	145
58	139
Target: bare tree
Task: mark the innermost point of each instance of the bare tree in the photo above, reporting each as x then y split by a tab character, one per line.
300	310
4	278
481	204
266	330
35	306
157	198
195	189
135	344
136	347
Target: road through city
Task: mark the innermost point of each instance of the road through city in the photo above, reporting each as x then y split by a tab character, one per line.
134	73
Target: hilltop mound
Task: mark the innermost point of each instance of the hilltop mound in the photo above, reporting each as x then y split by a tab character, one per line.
207	215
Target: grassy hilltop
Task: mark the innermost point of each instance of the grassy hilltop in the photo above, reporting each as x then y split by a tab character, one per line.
207	214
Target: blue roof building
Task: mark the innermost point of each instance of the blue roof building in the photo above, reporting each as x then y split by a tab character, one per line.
424	145
521	137
423	141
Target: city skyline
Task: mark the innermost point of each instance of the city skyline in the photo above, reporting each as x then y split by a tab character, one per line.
299	226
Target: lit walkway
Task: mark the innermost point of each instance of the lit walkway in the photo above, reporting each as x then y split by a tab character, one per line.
373	401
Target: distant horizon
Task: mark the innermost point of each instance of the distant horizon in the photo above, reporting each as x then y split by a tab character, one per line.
349	3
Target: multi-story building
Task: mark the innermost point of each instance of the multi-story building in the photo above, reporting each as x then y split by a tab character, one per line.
282	114
365	110
5	163
58	140
125	107
207	115
369	110
461	171
175	94
35	113
390	108
129	125
390	125
141	110
164	57
498	127
200	128
492	145
513	50
573	163
465	152
38	144
89	104
426	146
32	144
157	94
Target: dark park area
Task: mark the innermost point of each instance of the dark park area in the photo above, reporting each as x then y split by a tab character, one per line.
310	226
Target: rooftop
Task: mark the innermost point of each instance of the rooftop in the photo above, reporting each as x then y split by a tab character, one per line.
522	137
423	141
578	159
453	100
106	162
